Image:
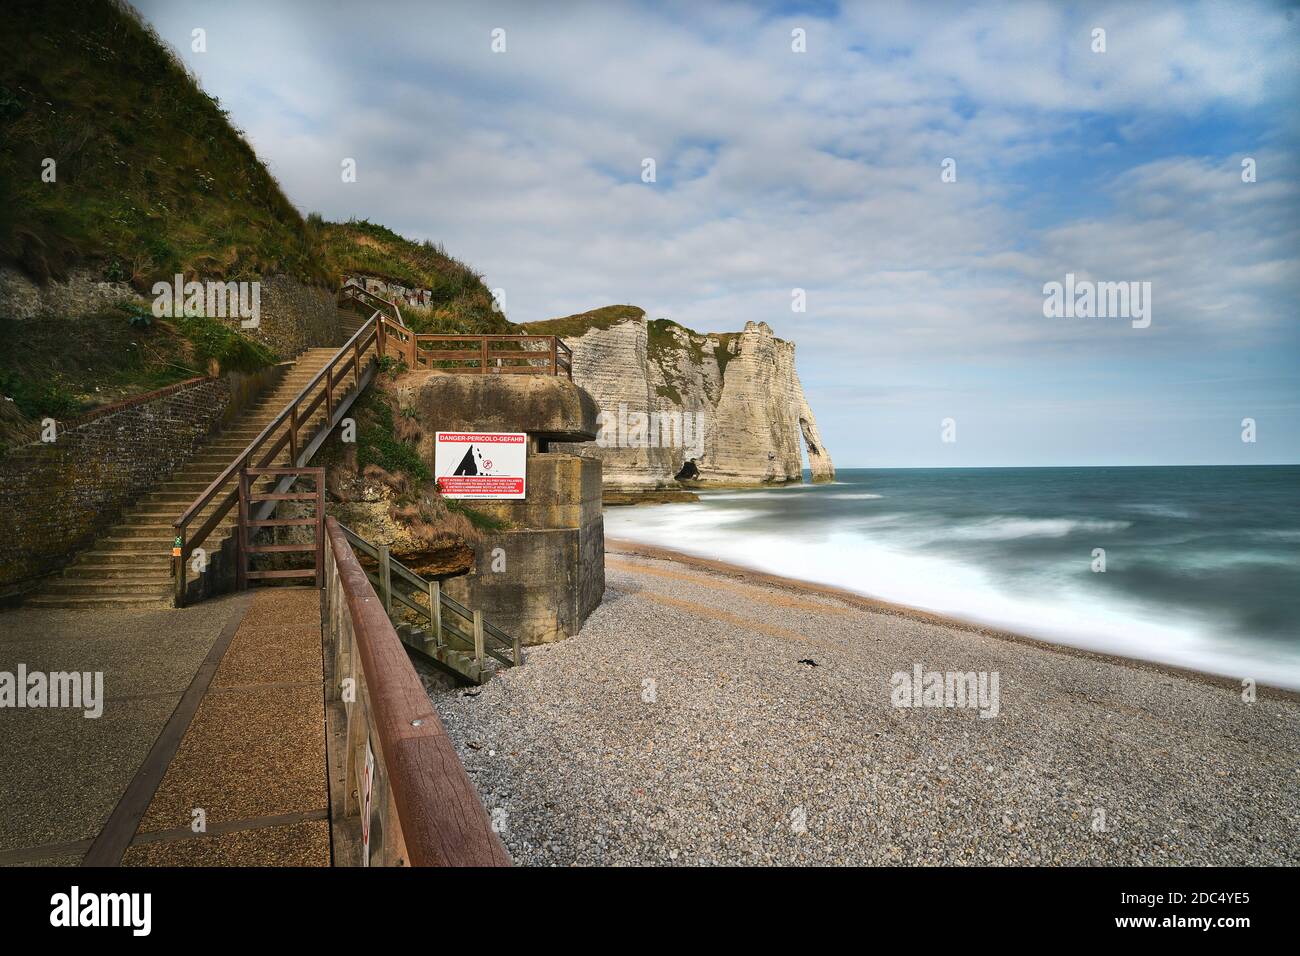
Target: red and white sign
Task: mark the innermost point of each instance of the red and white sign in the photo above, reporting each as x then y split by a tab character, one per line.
481	464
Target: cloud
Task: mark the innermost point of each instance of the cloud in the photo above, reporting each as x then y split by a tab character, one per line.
817	170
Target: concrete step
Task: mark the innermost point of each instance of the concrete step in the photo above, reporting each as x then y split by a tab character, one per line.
107	587
158	530
185	497
195	485
161	544
93	602
126	570
100	557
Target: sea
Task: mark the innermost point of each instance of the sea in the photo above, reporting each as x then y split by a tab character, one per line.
1197	567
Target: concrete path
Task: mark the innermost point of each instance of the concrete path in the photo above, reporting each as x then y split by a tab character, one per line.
216	708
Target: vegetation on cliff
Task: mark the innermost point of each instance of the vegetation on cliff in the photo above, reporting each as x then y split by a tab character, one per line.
150	178
381	488
460	302
664	338
572	326
62	367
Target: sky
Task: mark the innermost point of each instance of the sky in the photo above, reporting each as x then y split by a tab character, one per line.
823	170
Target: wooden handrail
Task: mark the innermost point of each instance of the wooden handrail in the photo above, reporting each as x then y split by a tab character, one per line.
430	813
345	359
548	356
355	288
510	649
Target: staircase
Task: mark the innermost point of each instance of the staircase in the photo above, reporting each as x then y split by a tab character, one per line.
350	322
430	621
130	565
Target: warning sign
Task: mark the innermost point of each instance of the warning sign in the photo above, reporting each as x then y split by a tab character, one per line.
481	464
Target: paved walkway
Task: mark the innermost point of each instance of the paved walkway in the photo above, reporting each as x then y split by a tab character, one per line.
215	708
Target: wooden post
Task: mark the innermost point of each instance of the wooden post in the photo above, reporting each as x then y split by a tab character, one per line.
385	579
329	394
555	356
435	611
519	651
483	355
293	435
241	535
478	637
356	361
179	599
320	524
356	745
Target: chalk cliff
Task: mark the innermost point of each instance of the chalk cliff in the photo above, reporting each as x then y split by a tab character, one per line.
685	409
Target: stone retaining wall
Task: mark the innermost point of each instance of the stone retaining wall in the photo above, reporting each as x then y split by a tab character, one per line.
59	496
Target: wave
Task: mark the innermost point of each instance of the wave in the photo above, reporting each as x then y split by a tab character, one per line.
731	495
1081	614
1004	528
1159	511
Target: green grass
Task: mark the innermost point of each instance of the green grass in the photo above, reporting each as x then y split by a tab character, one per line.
572	326
63	366
151	178
378	444
722	353
460	303
53	366
214	341
478	519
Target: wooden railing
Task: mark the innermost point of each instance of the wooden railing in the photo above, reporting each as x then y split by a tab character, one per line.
477	354
249	524
387	333
351	361
355	290
449	623
402	796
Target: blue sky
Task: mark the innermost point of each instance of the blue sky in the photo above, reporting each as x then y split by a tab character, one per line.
821	170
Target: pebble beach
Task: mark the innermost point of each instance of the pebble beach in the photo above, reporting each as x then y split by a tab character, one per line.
710	715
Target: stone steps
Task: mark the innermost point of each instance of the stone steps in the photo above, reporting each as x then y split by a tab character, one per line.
96	601
130	564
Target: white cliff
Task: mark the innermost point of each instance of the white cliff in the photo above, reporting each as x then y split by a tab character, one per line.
685	409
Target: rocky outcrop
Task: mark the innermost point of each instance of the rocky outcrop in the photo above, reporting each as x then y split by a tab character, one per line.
684	409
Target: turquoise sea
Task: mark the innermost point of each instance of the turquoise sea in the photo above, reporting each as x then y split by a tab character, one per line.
1202	564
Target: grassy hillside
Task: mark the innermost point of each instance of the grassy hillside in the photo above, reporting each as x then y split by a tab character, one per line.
575	325
117	353
461	302
151	178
